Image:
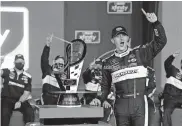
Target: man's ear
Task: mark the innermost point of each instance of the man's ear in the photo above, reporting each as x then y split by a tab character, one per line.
112	40
129	42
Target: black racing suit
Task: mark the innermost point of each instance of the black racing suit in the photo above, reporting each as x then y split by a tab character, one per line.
14	86
51	82
172	90
127	72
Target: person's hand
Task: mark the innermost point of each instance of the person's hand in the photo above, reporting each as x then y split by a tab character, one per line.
106	104
176	53
63	76
95	65
49	40
17	105
92	65
95	102
151	17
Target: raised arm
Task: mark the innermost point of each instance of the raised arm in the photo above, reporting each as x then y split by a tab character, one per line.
45	55
150	50
168	62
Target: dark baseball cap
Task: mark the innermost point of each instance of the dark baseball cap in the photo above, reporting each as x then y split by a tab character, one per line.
19	56
119	30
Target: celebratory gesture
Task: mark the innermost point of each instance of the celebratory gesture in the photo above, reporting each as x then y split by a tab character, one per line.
176	53
173	88
130	87
52	75
151	17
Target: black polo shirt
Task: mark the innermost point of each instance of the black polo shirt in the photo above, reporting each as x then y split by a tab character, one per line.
14	85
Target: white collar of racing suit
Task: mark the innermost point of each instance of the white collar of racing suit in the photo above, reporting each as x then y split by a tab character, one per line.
122	54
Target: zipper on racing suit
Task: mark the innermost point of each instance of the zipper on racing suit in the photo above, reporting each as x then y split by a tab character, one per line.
134	88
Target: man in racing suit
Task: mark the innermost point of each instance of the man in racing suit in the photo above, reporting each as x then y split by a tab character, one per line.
16	92
125	69
92	78
51	75
173	89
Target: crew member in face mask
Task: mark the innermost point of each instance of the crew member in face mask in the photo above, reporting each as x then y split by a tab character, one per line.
52	76
16	92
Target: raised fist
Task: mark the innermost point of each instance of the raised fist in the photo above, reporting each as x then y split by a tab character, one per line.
176	53
49	40
151	17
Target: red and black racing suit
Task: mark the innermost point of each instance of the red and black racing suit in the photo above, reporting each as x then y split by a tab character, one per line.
172	90
51	82
127	72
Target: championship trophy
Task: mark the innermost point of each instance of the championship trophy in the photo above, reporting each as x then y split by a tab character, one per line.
69	109
75	53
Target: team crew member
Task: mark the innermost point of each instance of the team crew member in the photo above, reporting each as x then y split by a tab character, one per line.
16	92
172	90
125	68
92	78
51	75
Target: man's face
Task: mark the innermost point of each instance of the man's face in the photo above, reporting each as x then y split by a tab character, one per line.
121	42
58	65
20	61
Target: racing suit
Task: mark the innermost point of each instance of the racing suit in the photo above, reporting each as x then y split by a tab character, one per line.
51	82
14	86
127	72
172	90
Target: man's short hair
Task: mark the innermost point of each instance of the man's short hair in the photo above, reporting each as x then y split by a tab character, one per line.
59	57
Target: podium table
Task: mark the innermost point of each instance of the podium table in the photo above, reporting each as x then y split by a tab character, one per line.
71	113
55	111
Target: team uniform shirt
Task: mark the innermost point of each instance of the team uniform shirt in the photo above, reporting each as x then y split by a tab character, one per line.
173	84
14	85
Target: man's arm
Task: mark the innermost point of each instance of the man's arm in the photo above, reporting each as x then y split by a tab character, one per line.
86	76
150	50
45	59
4	72
45	55
27	91
168	62
105	84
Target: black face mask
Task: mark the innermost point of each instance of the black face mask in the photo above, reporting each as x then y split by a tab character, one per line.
19	66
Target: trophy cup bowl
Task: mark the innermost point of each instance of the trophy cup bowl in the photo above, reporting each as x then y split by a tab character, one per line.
69	98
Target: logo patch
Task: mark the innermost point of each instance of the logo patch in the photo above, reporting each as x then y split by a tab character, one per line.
12	75
25	79
118	29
